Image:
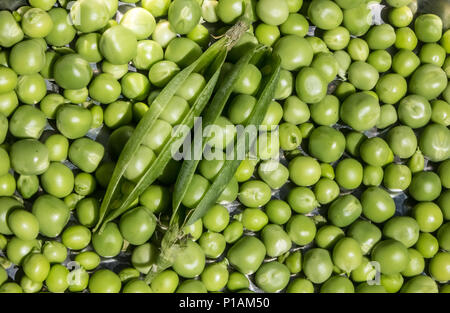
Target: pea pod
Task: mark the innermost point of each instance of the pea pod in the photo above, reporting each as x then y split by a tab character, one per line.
216	52
230	166
211	114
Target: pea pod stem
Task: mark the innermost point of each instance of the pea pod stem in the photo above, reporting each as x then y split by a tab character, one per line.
148	120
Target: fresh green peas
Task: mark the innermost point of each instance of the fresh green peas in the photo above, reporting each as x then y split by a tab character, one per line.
76	237
364	272
358	49
428	215
325	14
56	280
276	240
300	285
196	191
349	173
182	51
434	142
253	219
377	204
381	37
156	7
358	18
388	116
317	265
8	103
442	236
162	72
233	231
248	81
272	276
128	274
118	53
109	242
73	121
10	31
7	185
301	229
237	281
295	24
229	11
163	33
192	286
428	28
304	171
144	256
137	225
402	141
327	236
23	224
273	173
440	112
148	53
191	88
190	261
416	264
278	211
406	39
8	79
432	53
326	190
344	210
84	184
302	200
429	81
136	286
31	89
337	284
267	34
215	276
54	251
376	152
427	245
347	254
213	244
363	75
295	111
17	249
381	60
326	144
29	157
391	88
52	215
400	16
155	198
140	21
104	281
247	254
295	52
50	104
58	180
105	88
89	260
87	211
30	286
405	62
443	171
439	267
425	186
11	288
86	154
119	113
402	228
184	15
216	218
360	111
414	111
397	177
353	141
392	256
27	57
337	38
135	86
5	164
254	193
165	282
62	32
72	72
36	267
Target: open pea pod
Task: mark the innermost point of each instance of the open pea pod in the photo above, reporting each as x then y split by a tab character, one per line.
272	67
210	116
157	166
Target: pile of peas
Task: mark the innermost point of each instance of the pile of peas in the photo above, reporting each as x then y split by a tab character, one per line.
355	183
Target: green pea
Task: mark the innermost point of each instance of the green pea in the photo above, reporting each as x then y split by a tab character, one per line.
58	180
278	211
326	190
8	103
27	122
184	15
31	89
54	251
156	7
317	265
10	31
358	18
349	173
144	256
182	51
375	151
192	286
337	284
104	281
304	171
276	240
273	174
17	249
62	32
397	177
254	193
7	205
86	154
327	236
190	260
442	236
444	204
295	52
162	72
163	33
88	260
360	111
302	200
136	286
23	224
301	229
427	245
27	57
165	282
402	141
364	272
233	231
438	265
36	267
29	157
325	14
52	214
392	256
213	244
433	142
272	276
237	281
105	88
7	185
440	113
428	28
392	283
253	219
428	81
247	254
76	237
191	88
215	276
57	279
344	210
229	10
425	186
300	285
400	16
420	284
109	242
122	53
